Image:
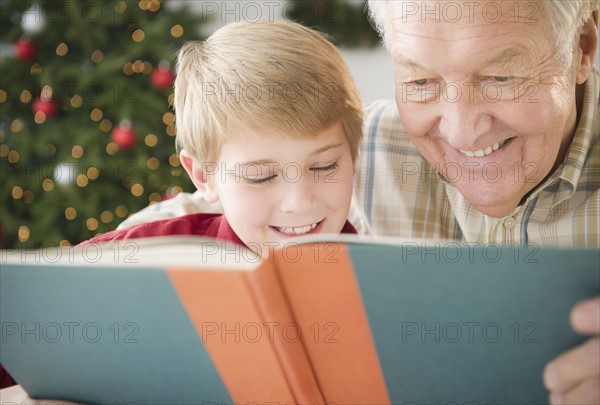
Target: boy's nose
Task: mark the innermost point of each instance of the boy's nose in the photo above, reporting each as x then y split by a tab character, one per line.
299	195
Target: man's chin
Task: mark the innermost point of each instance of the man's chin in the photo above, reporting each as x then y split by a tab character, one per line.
491	201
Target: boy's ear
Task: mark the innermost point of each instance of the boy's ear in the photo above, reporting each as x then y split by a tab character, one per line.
195	170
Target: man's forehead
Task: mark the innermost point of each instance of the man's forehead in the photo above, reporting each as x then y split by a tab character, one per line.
454	11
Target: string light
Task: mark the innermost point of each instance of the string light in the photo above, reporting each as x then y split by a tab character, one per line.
36	69
93	173
176	31
174	160
82	180
151	140
106	217
70	213
127	69
153	5
120	7
51	150
153	163
137	190
138	35
62	49
170	130
112	148
91	224
105	125
16	126
17	192
25	96
23	233
154	198
96	114
121	211
76	101
13	156
39	117
3	96
97	56
4	150
48	185
77	151
168	118
27	197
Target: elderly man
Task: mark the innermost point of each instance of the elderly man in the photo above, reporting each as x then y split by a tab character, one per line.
494	137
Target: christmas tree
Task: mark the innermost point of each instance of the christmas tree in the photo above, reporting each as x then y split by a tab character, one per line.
86	128
344	22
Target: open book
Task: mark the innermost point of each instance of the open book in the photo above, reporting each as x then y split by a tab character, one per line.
354	321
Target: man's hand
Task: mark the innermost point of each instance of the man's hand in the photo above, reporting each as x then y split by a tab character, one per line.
574	376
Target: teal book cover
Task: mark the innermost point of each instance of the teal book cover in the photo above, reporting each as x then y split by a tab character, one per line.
346	322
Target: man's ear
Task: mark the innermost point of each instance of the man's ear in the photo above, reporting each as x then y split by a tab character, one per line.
194	169
588	46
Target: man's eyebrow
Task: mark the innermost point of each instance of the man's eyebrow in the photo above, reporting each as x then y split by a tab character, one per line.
405	63
505	55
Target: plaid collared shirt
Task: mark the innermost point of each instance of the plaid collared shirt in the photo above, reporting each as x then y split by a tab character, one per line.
402	195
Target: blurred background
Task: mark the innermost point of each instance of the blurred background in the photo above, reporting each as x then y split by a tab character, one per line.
86	128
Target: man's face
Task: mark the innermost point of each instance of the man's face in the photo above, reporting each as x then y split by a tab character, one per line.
274	188
482	95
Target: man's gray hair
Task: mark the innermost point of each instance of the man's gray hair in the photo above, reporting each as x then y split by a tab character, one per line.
564	17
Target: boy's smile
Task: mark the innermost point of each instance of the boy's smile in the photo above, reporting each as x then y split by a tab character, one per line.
298	230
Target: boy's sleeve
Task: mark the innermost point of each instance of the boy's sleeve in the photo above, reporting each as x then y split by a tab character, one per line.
182	204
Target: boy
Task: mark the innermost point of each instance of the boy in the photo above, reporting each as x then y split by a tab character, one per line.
268	123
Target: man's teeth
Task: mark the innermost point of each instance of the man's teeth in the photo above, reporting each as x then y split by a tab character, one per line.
483	152
298	230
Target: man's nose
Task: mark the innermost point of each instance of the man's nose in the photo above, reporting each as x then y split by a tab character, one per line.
463	120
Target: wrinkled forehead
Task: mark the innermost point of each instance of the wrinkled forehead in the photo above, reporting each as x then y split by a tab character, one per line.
495	31
452	15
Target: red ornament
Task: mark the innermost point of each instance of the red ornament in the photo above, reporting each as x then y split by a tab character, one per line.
25	50
162	78
48	106
124	136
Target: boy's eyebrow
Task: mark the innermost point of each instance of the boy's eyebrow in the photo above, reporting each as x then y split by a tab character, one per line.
270	161
326	148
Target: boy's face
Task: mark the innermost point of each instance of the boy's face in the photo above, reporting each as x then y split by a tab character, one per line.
274	188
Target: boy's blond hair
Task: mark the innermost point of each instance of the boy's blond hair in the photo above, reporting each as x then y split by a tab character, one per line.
274	75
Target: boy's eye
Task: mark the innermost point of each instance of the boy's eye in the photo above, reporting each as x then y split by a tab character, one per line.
331	166
259	180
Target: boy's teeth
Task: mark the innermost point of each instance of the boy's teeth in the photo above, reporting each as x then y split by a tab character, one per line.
298	230
483	152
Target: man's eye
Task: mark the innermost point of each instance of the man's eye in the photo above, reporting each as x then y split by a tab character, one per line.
500	78
332	166
420	82
259	180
